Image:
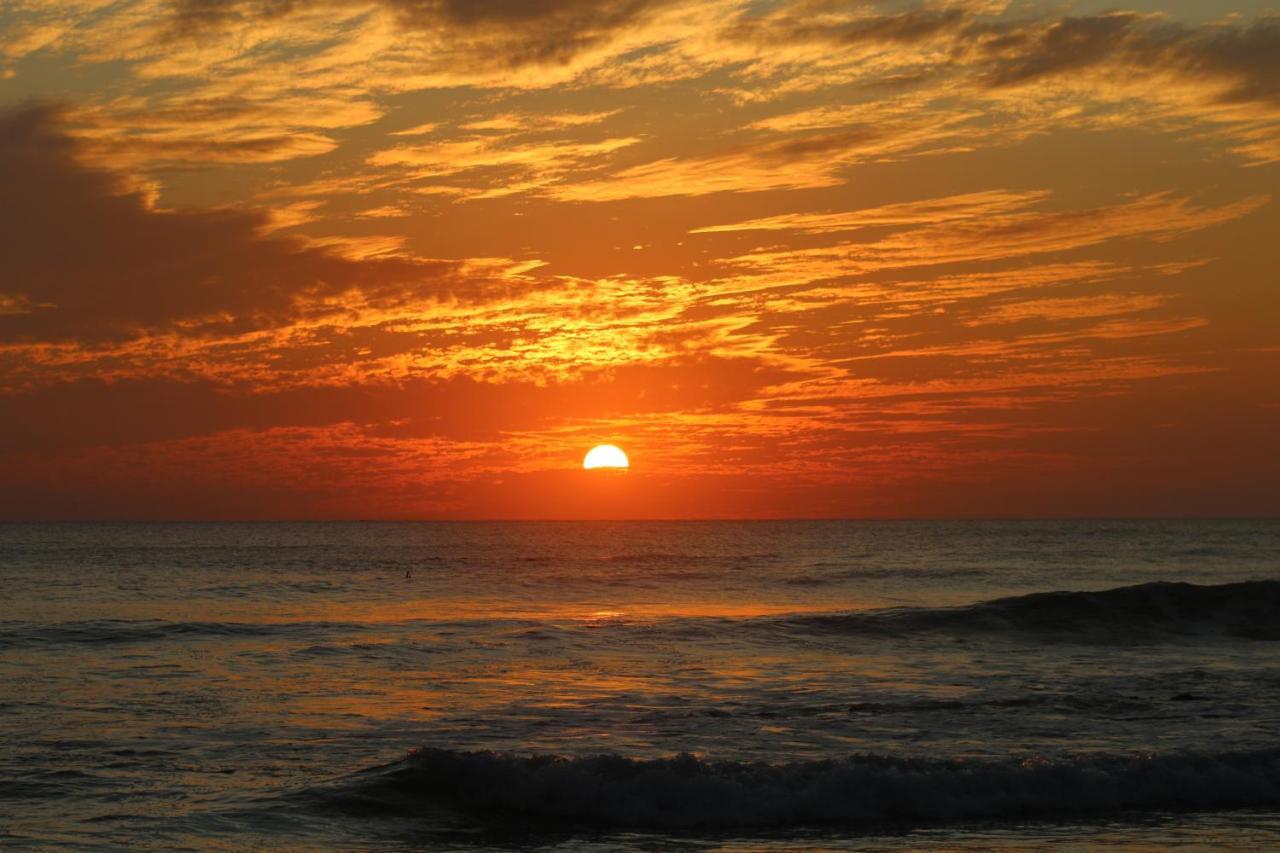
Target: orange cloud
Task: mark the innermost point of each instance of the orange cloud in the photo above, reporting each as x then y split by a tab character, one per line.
382	257
127	268
977	233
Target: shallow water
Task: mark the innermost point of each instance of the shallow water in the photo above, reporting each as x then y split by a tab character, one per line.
786	685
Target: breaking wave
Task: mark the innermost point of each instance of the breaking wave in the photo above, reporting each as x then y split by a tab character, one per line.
687	792
1246	610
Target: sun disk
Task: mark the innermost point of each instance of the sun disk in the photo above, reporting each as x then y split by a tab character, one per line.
605	456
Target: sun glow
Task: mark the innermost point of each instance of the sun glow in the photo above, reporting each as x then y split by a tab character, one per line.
606	456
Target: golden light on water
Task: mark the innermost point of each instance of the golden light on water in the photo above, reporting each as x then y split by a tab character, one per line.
606	456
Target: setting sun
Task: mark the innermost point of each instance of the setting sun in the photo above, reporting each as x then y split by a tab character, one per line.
944	333
605	456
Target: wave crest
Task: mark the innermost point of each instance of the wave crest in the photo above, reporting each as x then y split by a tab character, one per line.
1249	610
686	792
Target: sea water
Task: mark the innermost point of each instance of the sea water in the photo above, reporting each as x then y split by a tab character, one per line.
636	685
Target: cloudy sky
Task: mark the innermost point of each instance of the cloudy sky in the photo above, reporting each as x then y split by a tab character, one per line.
412	258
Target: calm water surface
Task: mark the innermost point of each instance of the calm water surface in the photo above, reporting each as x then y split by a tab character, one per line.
640	685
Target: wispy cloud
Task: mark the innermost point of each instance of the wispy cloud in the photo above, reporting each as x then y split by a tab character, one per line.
764	244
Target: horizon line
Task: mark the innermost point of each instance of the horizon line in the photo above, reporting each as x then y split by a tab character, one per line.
638	520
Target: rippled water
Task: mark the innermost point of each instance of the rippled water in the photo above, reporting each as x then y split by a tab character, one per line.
643	685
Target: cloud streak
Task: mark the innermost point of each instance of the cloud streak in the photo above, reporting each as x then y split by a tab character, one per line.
406	257
124	268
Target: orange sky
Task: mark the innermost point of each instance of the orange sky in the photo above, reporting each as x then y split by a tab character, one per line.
412	258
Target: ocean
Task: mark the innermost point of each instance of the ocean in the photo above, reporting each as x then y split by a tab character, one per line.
640	686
